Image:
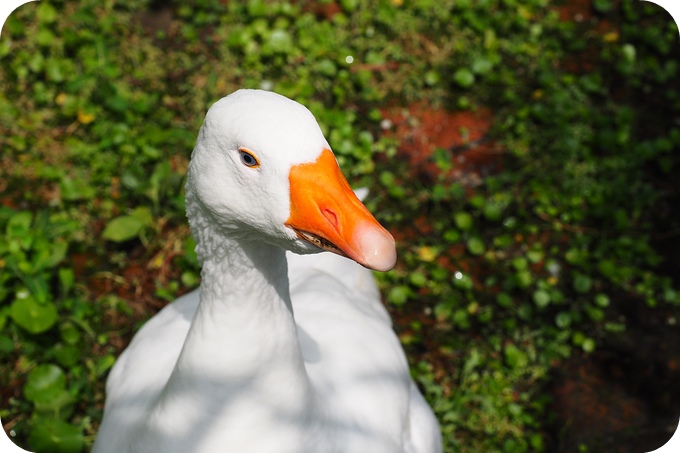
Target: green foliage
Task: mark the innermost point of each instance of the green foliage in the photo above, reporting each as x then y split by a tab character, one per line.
126	227
99	110
31	315
56	436
40	311
558	245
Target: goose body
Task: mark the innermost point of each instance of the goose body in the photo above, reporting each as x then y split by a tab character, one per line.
277	351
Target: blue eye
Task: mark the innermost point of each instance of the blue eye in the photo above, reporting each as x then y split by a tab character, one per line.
248	159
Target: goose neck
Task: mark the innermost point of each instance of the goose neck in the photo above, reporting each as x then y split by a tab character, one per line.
244	324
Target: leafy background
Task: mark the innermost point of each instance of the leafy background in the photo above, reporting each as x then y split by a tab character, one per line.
524	153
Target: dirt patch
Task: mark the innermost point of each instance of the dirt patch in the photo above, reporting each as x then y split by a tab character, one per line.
623	397
464	137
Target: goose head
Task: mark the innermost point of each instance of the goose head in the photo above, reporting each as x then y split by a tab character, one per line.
262	170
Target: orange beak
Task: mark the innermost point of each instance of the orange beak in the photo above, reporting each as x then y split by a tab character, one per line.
325	212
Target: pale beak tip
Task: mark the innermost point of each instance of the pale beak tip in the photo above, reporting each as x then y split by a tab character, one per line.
378	249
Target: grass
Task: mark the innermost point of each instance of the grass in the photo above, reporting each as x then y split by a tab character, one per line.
501	277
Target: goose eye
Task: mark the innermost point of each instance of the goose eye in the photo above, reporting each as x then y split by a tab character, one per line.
248	159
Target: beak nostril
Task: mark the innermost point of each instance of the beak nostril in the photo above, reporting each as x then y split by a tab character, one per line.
331	216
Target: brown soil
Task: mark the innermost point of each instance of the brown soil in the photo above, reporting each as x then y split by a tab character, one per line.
421	130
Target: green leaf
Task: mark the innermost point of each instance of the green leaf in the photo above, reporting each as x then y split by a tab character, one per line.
399	295
535	256
44	384
493	211
349	5
46	13
418	279
104	364
588	345
574	256
451	236
473	361
563	320
504	300
45	37
66	279
520	263
123	228
462	281
524	278
541	298
443	310
38	286
602	300
515	357
66	355
6	344
69	333
143	213
33	316
57	253
463	220
19	224
578	338
602	6
162	173
582	283
54	70
190	251
475	245
464	78
55	436
594	313
280	41
76	189
525	311
432	77
327	67
130	179
481	65
461	318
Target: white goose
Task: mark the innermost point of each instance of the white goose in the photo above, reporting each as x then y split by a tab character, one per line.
273	353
